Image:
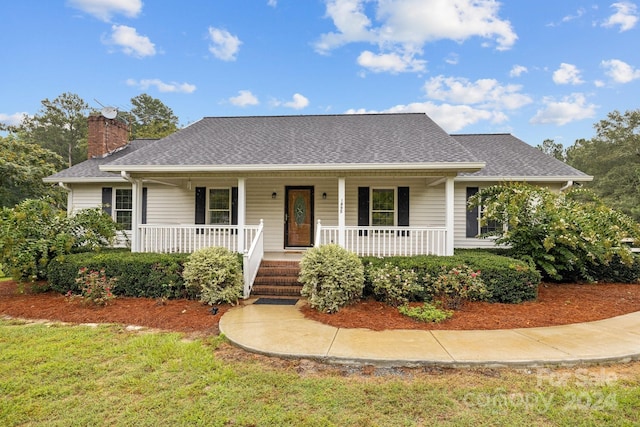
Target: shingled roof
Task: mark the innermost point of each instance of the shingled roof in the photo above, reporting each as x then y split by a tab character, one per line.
367	141
89	170
294	142
509	157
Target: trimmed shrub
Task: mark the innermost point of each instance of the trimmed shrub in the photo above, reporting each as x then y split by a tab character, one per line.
394	286
215	275
428	313
332	277
148	275
507	279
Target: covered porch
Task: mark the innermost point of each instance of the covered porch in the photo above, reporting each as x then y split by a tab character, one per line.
319	209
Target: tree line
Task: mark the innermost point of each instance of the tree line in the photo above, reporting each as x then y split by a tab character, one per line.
56	138
612	157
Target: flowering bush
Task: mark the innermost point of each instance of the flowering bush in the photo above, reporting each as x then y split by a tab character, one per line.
455	286
393	285
95	287
568	236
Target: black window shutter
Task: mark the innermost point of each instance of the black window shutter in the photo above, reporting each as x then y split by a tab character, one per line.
234	205
403	206
472	215
144	205
363	206
363	209
107	199
201	202
403	209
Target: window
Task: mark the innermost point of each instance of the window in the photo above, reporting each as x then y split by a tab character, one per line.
123	208
474	219
219	206
383	207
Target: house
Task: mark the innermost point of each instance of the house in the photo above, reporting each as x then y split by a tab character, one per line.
377	184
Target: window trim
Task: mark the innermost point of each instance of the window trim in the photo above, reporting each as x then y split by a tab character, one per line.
115	210
229	210
395	206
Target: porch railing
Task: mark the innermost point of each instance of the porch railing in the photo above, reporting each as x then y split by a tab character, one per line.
252	259
386	241
172	238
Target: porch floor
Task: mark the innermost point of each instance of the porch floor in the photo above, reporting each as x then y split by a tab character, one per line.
285	255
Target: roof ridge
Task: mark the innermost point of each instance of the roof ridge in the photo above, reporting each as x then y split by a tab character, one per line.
312	115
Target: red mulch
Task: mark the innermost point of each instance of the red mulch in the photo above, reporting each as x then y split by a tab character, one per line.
557	304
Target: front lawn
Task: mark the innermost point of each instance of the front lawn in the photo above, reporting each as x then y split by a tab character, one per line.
55	375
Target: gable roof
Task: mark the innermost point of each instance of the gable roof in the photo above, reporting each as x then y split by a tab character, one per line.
89	170
508	157
321	142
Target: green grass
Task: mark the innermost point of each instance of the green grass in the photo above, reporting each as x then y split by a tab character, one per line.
52	375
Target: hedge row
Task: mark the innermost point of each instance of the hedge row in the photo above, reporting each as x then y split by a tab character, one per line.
138	274
509	280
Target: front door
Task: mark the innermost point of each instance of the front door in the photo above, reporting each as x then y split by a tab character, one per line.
298	217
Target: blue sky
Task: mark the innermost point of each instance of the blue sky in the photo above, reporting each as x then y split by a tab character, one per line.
537	69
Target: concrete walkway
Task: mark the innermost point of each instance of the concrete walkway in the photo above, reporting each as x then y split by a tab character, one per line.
283	331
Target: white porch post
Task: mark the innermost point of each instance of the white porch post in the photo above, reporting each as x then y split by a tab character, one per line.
341	211
136	217
449	213
242	209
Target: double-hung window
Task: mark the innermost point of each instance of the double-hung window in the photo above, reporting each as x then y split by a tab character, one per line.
475	224
383	207
123	208
220	206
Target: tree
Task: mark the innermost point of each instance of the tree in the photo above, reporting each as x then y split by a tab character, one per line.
613	158
150	118
60	126
566	235
552	149
22	167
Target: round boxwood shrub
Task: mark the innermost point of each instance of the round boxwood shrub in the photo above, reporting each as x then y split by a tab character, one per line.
215	275
332	277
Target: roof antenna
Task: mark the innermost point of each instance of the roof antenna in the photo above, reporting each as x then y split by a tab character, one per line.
107	112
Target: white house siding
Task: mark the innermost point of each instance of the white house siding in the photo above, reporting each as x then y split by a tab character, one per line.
460	205
87	195
168	204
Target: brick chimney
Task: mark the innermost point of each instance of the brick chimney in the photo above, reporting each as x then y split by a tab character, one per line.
105	136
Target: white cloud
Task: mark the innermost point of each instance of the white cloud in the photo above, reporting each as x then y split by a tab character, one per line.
105	9
620	71
224	45
452	59
161	86
131	43
298	102
390	62
12	119
451	118
518	70
626	16
272	3
570	109
567	74
486	93
406	25
244	98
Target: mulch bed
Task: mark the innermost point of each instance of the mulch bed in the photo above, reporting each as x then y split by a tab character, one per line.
557	304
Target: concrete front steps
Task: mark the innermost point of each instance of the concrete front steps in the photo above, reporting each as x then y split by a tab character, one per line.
277	279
